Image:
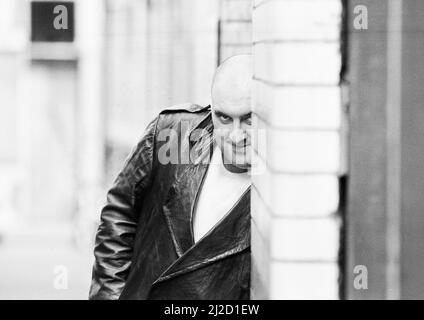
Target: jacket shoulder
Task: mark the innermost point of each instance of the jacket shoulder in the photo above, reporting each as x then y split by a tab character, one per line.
185	108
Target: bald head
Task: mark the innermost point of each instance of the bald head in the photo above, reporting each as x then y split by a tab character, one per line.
232	81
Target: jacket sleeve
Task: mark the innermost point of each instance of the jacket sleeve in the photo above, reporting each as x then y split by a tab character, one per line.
118	221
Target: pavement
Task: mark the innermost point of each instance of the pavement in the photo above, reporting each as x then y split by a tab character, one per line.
42	261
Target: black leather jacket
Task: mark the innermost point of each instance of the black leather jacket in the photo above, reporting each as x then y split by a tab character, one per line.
144	245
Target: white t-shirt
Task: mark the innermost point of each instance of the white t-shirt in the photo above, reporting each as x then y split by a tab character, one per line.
220	192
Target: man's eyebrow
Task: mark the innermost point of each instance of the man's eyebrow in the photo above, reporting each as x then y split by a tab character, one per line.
246	116
219	113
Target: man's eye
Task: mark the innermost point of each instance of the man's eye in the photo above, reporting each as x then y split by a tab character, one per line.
224	118
248	121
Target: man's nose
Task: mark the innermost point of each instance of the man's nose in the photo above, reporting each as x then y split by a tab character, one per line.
237	135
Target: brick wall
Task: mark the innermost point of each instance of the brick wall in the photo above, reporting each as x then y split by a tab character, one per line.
295	226
235	28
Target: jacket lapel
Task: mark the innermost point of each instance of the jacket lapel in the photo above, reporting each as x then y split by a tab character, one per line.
230	236
179	205
182	195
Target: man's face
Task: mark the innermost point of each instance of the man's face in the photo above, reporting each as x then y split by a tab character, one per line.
232	130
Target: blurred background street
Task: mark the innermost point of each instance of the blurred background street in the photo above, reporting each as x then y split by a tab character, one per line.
32	257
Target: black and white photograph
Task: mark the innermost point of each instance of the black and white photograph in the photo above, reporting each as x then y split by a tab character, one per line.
207	150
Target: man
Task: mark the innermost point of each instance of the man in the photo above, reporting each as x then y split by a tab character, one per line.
181	229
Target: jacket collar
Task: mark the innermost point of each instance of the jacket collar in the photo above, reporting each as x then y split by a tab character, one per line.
201	141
